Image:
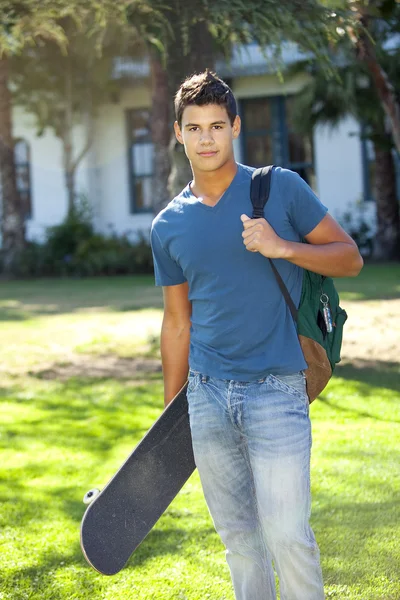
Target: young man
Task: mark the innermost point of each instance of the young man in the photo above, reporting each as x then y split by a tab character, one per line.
226	320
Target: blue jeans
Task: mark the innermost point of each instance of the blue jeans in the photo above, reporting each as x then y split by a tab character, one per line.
252	445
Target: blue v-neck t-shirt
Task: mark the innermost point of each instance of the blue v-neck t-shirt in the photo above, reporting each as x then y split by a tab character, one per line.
241	328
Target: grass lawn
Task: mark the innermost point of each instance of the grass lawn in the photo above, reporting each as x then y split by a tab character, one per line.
73	406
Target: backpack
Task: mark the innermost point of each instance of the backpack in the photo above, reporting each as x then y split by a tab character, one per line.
319	319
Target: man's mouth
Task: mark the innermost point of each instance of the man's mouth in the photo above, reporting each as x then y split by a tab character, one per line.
208	153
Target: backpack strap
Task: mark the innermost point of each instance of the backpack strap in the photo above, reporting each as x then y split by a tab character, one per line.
259	194
259	190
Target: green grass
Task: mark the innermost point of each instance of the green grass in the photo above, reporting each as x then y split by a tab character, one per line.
20	300
60	438
375	282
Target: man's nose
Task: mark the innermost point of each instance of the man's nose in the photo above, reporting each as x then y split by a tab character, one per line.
206	138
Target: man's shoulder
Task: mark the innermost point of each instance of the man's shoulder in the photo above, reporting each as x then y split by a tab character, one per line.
290	181
173	210
284	175
246	170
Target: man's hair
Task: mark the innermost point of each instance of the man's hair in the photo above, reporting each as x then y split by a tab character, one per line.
204	88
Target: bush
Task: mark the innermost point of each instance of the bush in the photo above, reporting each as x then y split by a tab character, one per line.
74	249
32	261
356	225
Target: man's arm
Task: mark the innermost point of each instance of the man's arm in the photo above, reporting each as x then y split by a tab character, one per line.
330	251
175	339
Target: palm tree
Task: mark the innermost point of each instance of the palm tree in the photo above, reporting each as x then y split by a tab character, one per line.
328	101
378	20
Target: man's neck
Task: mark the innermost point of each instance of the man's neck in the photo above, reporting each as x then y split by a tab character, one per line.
212	185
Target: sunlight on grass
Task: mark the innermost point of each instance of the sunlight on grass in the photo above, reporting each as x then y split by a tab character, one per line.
59	438
124	334
375	282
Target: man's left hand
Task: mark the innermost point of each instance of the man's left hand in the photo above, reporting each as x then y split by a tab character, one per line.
258	236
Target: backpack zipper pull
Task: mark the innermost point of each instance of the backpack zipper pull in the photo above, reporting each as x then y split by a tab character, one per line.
326	311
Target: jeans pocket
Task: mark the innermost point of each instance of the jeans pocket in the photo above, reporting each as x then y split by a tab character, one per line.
193	381
293	384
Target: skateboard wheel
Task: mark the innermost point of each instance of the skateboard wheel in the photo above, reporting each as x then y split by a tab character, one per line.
90	495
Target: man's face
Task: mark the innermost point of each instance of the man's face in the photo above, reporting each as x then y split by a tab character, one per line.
207	135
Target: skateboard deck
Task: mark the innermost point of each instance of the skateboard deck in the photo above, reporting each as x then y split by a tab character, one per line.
118	519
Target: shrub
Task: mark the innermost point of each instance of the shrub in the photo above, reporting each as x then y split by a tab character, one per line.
63	240
359	228
74	249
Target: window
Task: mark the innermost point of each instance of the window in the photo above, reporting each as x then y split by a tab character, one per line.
140	160
269	138
23	177
299	148
258	137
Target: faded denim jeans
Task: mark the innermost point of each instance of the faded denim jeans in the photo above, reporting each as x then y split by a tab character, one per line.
252	446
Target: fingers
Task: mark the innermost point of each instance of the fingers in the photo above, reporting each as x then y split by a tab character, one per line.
252	241
249	223
257	227
253	232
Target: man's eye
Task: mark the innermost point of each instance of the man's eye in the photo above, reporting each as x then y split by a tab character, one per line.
193	128
217	127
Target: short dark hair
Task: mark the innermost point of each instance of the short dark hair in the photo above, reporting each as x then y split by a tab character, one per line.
204	88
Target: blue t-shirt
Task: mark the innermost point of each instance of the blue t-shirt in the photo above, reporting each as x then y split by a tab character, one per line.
241	328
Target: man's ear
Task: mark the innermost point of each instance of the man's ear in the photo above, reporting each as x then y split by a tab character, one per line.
178	133
236	127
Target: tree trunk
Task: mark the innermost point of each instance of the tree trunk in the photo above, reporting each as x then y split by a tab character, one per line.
387	239
12	223
160	131
69	171
181	62
365	52
70	183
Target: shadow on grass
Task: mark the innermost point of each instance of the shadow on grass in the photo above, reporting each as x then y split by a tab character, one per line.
375	373
91	416
353	411
38	581
170	541
22	300
24	314
347	532
365	379
375	282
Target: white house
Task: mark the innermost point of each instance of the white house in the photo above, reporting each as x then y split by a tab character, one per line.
115	175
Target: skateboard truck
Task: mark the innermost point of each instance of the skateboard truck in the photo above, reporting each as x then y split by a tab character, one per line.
90	495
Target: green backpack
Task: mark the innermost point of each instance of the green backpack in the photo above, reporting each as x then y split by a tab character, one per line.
319	319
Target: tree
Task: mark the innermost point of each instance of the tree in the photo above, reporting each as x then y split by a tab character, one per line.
327	101
189	35
63	89
23	24
374	19
318	28
179	43
12	220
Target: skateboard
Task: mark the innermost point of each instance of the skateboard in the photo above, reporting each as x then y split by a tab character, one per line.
120	516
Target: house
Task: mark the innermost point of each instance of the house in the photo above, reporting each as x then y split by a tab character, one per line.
115	175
